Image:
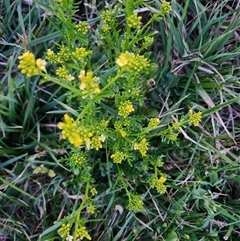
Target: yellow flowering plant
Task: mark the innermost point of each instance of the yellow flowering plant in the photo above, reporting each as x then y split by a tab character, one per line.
105	123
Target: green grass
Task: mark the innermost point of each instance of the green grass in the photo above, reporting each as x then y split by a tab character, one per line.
197	50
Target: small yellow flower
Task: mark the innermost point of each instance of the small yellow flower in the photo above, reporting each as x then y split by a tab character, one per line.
29	65
93	191
135	203
69	238
63	73
153	123
194	118
131	61
79	159
123	133
162	179
51	56
125	108
63	55
134	21
82	233
64	231
165	7
41	64
107	17
91	208
81	53
89	84
69	77
158	184
102	138
124	59
142	146
70	131
82	27
106	28
96	142
118	157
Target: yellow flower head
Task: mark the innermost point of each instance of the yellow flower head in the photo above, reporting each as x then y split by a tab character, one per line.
89	84
83	233
165	8
29	65
134	21
82	27
124	59
64	231
125	108
123	133
41	64
132	61
118	157
142	146
81	53
194	118
158	184
70	131
153	123
162	179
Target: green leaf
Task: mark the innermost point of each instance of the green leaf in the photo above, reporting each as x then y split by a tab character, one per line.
213	177
172	236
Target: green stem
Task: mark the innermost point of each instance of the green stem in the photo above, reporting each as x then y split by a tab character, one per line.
112	81
140	32
102	90
64	85
129	12
85	198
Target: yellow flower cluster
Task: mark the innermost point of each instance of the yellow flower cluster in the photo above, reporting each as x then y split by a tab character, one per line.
123	133
104	123
29	65
51	56
158	184
61	57
89	84
81	53
63	73
153	123
147	41
64	231
134	21
125	108
82	27
165	7
79	159
72	132
107	17
194	118
142	147
82	233
93	191
132	61
90	208
96	142
78	136
176	126
135	203
118	157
